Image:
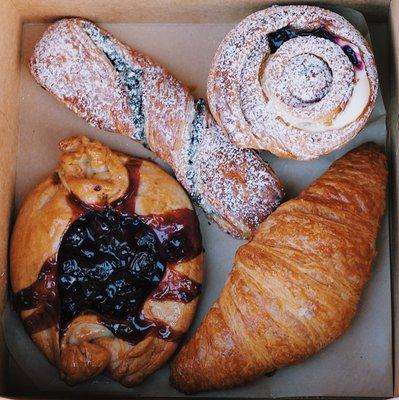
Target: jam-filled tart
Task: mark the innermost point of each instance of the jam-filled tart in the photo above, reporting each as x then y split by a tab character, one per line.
106	264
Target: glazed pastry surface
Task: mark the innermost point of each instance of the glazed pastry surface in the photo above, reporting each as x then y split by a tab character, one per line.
298	81
106	264
295	287
118	89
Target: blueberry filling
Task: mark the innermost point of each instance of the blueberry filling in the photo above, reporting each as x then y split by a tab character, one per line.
350	53
42	296
278	38
110	261
108	264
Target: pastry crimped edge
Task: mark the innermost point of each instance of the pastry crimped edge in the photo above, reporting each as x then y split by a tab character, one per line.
87	347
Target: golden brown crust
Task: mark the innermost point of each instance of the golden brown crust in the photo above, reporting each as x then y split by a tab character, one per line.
88	347
80	362
296	286
133	364
41	223
157	192
91	171
74	60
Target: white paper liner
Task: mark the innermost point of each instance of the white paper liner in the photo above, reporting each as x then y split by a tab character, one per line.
357	364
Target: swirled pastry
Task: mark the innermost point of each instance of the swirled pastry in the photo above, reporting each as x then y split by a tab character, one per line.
106	264
120	90
295	286
299	81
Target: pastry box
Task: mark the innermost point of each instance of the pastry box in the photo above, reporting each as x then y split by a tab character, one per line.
183	36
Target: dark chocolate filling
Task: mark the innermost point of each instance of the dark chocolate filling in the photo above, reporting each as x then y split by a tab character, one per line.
278	38
109	262
130	77
196	132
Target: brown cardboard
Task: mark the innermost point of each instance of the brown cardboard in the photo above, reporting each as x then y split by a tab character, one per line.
206	11
9	86
393	126
40	133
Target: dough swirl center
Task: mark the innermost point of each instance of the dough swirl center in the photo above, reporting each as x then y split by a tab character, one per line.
309	79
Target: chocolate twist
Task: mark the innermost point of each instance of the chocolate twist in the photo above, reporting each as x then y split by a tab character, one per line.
115	88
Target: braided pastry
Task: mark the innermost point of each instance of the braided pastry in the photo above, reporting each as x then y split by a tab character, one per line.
120	90
106	264
299	81
295	286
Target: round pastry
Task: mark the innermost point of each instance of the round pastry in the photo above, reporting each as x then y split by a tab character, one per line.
299	81
106	264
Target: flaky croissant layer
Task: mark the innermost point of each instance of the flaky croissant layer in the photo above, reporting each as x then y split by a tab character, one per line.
296	286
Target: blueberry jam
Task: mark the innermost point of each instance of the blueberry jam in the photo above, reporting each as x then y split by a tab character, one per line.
176	287
278	38
126	204
350	53
41	295
109	262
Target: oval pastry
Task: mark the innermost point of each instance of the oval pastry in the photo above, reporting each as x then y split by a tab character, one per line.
106	264
299	81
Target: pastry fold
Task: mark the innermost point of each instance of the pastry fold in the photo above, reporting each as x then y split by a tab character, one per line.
92	180
296	285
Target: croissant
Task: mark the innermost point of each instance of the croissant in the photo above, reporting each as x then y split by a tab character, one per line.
295	286
117	89
106	264
298	81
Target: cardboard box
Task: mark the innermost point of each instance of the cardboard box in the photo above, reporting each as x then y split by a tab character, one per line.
14	13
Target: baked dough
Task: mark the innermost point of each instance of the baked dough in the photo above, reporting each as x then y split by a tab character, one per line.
93	180
118	89
296	285
298	81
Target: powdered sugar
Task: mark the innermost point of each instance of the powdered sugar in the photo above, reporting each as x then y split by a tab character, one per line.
282	80
245	189
118	89
196	134
65	55
129	76
248	90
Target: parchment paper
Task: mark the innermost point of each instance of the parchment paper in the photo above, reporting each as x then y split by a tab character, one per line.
357	364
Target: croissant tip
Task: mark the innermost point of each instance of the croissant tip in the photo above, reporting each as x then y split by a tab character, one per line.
178	380
178	387
371	144
374	150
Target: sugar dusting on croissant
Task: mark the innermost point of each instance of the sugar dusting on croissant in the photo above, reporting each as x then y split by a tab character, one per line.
295	286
